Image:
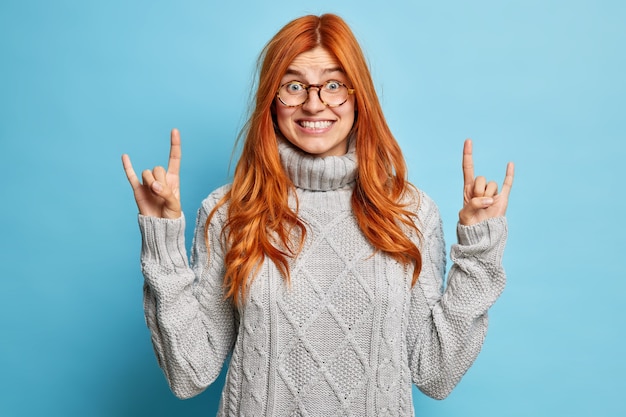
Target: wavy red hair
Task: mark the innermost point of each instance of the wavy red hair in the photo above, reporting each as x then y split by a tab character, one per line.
260	223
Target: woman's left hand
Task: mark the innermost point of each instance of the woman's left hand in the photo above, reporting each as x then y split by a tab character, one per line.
481	199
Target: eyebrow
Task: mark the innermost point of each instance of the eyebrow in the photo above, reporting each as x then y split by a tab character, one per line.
292	71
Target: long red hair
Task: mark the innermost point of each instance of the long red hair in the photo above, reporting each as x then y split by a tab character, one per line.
260	223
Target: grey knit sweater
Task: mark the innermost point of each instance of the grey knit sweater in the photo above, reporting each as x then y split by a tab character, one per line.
349	336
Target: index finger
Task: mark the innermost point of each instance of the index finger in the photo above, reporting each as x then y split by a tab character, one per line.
173	166
468	163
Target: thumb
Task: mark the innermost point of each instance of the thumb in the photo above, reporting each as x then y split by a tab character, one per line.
478	203
171	204
165	192
156	187
159	185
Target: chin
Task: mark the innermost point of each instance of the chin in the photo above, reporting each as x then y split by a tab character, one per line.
322	152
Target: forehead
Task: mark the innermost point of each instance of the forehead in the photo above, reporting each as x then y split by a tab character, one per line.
314	62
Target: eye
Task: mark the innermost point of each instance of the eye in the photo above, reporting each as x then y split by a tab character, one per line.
294	87
332	85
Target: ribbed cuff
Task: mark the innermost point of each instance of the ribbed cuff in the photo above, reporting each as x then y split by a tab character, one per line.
481	233
163	241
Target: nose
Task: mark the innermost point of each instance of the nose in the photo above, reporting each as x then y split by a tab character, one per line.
313	103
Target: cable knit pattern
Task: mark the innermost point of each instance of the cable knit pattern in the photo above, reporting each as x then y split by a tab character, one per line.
349	335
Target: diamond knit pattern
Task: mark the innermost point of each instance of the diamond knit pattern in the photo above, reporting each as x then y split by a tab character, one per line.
326	302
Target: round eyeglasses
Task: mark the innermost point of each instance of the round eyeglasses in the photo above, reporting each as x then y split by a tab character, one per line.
331	93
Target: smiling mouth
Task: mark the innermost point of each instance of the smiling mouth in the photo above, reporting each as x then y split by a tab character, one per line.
316	124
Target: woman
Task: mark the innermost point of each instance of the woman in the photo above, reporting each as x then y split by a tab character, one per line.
320	269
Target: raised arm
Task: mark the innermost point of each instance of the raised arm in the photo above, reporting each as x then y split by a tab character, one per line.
447	328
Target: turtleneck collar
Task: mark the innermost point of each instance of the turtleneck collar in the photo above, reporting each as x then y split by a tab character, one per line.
314	173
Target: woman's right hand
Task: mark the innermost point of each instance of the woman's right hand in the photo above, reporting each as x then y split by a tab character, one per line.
159	194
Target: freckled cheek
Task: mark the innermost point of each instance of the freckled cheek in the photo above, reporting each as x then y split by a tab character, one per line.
349	110
349	116
284	119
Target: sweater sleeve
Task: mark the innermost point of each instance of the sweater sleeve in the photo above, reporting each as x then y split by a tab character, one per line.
192	325
447	328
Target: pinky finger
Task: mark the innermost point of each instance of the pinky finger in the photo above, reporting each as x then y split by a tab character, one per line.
130	172
508	179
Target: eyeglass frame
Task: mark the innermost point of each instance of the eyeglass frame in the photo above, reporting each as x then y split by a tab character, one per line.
319	93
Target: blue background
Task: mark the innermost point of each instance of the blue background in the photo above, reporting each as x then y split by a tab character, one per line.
539	82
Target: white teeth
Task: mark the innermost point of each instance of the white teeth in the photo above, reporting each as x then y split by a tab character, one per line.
316	124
